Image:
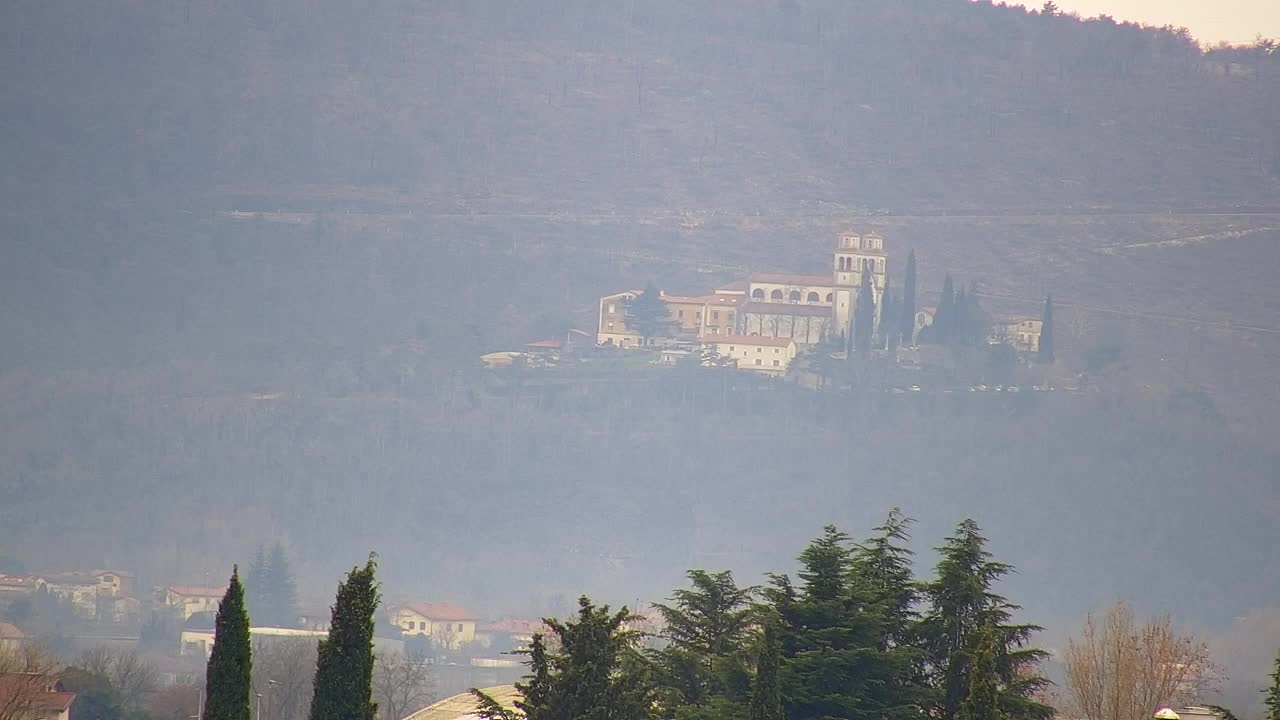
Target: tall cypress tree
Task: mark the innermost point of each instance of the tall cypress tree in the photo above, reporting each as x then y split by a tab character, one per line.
888	323
864	315
1045	354
907	307
960	603
1273	693
766	692
228	675
983	701
942	330
344	667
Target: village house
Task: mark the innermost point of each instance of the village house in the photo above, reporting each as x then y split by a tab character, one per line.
807	309
1021	333
11	638
766	355
509	635
192	599
448	626
34	696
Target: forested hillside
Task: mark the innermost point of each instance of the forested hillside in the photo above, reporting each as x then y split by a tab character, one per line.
598	106
179	383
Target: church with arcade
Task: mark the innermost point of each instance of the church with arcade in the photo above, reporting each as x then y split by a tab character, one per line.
805	309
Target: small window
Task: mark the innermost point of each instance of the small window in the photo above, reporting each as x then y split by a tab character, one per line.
759	362
610	324
759	350
421	625
715	314
776	351
831	297
813	297
679	313
795	296
777	363
775	295
612	308
730	348
459	627
757	294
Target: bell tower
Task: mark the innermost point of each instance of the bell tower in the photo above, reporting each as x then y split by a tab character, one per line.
854	251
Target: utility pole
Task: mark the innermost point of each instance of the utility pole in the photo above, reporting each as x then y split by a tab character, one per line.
259	715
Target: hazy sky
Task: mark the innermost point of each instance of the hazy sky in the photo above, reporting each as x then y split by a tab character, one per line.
1209	20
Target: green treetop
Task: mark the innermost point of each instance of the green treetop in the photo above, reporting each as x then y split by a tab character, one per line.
1045	354
766	691
344	666
1272	700
228	675
647	314
983	700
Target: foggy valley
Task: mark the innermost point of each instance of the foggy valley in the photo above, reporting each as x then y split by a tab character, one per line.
540	300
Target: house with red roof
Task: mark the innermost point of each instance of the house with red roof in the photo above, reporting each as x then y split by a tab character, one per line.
10	637
449	626
34	696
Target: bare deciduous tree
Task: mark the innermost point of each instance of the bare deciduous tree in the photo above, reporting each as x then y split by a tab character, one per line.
1118	669
401	685
127	671
283	671
26	674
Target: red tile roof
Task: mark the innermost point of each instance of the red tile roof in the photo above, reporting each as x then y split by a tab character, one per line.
50	697
781	308
753	340
515	626
550	344
197	591
9	631
56	701
789	279
439	611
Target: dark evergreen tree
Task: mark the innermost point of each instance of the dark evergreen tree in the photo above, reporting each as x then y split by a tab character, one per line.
864	314
983	699
766	691
344	667
832	666
586	679
960	602
282	591
883	564
1272	700
647	314
907	307
228	677
942	330
1045	353
255	590
888	325
707	626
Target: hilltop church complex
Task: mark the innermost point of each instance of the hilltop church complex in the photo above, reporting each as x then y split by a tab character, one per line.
804	309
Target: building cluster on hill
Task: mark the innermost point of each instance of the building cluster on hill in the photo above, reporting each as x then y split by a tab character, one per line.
763	322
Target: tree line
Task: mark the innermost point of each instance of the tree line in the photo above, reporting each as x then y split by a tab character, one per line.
854	635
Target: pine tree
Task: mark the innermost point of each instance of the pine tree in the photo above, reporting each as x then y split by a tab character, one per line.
766	692
1045	354
228	675
1272	700
586	679
907	306
832	666
983	700
883	563
864	315
707	626
961	602
281	591
647	314
344	667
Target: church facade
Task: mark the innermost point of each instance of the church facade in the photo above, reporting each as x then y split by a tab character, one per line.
807	309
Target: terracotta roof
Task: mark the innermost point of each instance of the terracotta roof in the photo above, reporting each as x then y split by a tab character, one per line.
705	299
516	626
754	340
10	631
551	344
789	279
777	308
438	611
56	701
197	591
737	286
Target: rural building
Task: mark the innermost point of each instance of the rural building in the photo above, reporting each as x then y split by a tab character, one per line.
192	599
805	308
34	696
448	626
1022	333
767	355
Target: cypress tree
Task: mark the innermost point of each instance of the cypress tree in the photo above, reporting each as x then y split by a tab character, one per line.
961	602
944	317
1273	693
228	675
907	307
766	693
344	667
983	701
864	315
1045	354
888	324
